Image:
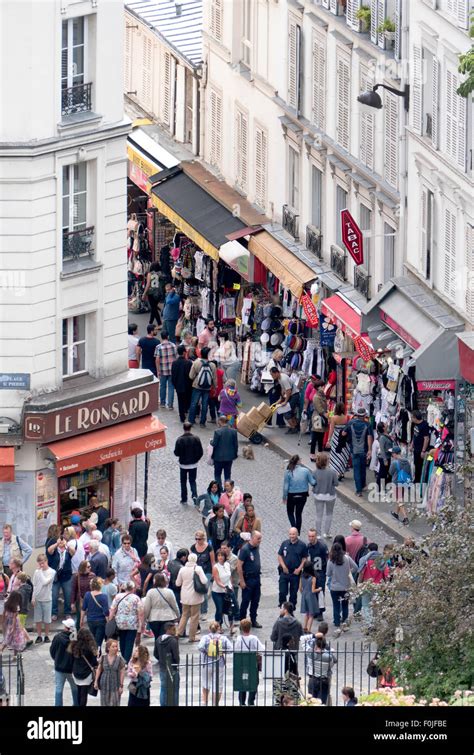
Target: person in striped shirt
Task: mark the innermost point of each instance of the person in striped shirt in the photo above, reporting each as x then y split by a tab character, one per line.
165	354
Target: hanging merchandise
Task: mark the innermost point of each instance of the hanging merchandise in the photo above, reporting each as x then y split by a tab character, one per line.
327	331
309	310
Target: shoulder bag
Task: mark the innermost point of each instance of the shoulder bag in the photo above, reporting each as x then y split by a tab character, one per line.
167	601
111	629
199	587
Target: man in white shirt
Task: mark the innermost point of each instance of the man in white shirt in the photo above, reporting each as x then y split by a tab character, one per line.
42	598
103	548
248	643
161	540
290	396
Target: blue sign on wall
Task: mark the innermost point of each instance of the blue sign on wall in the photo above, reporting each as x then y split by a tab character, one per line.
14	381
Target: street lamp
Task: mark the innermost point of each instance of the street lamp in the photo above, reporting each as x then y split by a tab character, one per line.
372	99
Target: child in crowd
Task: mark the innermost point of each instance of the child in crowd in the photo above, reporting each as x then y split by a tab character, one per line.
230	402
400	472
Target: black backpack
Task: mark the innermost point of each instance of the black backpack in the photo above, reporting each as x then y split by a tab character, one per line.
205	377
363	550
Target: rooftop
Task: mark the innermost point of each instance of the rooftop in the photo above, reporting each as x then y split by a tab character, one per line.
183	31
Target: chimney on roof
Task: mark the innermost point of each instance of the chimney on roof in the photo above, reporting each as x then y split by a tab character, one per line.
179	8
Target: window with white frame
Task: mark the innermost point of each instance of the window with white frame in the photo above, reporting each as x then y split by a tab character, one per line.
294	64
449	267
318	90
316	196
391	143
74	346
455	120
246	40
365	224
343	86
388	252
216	19
367	122
75	91
293	178
74	197
427	231
241	149
341	204
261	142
458	10
215	128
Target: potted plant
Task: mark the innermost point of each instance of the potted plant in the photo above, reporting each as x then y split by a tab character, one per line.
387	28
363	15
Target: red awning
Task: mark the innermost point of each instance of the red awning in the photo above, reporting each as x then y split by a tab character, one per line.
7	464
110	444
344	316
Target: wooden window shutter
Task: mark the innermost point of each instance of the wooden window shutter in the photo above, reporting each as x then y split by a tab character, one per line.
147	61
391	139
470	272
216	128
319	82
417	90
241	151
128	59
451	129
461	128
292	65
260	167
449	254
435	103
398	30
462	13
373	21
343	101
352	6
216	19
367	124
424	230
165	87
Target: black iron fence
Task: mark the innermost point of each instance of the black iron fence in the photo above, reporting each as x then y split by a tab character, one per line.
76	99
263	679
12	680
78	243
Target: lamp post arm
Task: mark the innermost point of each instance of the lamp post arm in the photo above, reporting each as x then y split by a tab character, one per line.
405	93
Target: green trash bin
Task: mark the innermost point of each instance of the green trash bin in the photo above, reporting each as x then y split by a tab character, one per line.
245	672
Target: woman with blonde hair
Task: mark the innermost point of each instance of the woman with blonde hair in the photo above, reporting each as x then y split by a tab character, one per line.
324	493
140	672
110	675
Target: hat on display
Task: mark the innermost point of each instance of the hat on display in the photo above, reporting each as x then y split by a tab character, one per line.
355	524
275	326
276	312
267	310
290	342
276	339
395	450
266	324
361	412
296	361
293	327
264	338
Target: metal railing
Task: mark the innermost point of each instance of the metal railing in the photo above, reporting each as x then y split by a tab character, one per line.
362	282
12	680
314	240
76	99
339	262
429	125
78	243
290	221
263	678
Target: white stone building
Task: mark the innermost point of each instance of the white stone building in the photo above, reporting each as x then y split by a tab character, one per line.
440	228
63	336
283	124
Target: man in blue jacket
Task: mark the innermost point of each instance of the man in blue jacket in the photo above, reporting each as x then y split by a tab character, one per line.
225	449
171	311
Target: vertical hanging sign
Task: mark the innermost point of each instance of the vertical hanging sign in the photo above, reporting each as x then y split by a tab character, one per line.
352	237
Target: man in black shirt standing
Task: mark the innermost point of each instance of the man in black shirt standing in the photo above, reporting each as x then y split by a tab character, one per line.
249	569
180	370
188	449
146	349
291	559
420	439
317	554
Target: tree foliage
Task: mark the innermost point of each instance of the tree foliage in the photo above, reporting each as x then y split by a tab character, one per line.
466	67
422	617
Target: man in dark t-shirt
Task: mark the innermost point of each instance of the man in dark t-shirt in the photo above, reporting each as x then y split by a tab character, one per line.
248	567
291	559
318	555
420	439
147	346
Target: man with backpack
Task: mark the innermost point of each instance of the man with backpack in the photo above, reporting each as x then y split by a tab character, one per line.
360	437
12	546
400	472
203	375
372	568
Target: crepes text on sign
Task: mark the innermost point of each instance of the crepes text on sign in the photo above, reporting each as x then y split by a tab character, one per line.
309	310
352	237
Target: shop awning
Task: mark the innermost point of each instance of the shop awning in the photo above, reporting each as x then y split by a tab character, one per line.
195	213
281	262
466	355
422	322
7	464
107	445
344	316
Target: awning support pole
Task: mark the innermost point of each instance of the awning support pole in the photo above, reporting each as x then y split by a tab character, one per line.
145	484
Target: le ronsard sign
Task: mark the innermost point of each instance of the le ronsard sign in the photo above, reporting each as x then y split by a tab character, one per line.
92	415
352	237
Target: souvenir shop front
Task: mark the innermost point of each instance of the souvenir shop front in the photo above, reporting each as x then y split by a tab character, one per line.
84	442
465	417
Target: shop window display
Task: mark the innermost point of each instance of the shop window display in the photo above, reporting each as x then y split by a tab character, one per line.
76	490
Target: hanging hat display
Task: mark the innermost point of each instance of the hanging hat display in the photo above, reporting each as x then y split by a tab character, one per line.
267	310
276	312
264	338
276	339
266	324
296	361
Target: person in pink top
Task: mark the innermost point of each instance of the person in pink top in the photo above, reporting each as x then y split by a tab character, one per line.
208	336
231	497
355	540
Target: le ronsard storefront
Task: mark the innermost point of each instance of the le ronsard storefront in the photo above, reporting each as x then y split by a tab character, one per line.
85	441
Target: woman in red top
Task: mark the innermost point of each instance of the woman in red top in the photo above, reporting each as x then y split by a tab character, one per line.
215	392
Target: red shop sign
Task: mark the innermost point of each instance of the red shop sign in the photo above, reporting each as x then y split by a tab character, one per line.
352	237
363	348
309	310
436	385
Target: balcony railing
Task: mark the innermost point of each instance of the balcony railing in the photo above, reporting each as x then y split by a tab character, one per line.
290	221
429	125
314	240
362	282
339	262
76	99
77	244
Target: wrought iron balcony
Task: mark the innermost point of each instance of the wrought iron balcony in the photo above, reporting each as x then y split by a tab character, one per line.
290	221
339	262
429	125
362	282
76	99
314	240
77	244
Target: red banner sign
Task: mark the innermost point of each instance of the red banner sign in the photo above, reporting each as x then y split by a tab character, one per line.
352	237
363	348
436	385
310	310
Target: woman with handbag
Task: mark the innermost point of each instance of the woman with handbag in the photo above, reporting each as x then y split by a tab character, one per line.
205	559
295	490
153	292
140	672
160	606
84	663
110	675
340	453
222	590
127	611
320	420
340	571
191	599
95	608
